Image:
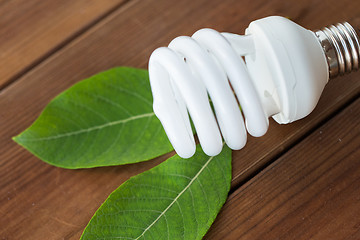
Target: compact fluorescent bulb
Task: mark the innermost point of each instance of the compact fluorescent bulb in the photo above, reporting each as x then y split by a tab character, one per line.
284	73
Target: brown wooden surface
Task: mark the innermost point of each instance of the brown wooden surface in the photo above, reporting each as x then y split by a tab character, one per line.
32	30
38	201
311	192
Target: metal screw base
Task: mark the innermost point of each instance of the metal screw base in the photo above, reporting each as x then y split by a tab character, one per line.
341	45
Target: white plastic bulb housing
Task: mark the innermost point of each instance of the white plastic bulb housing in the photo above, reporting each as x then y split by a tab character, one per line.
285	70
288	65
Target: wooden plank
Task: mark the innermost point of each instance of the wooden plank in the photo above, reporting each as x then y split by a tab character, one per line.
311	192
259	151
34	194
32	30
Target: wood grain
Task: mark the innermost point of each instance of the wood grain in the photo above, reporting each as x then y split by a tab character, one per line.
311	192
260	151
39	201
32	30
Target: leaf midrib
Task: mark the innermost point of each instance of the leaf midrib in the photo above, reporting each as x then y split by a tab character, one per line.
176	198
91	128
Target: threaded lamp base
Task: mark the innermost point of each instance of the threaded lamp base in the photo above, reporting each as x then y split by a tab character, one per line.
341	45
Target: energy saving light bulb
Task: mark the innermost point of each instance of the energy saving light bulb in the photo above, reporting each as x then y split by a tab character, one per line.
277	69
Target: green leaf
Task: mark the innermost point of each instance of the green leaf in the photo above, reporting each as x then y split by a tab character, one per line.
104	120
178	199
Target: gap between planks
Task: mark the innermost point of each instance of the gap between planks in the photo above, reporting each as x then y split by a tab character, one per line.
36	62
307	192
309	132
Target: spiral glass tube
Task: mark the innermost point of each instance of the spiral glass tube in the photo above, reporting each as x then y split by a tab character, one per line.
277	69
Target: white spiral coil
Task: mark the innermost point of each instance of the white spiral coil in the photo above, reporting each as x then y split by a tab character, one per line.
286	70
182	76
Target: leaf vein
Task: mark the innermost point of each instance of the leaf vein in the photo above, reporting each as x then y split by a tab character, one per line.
177	197
86	130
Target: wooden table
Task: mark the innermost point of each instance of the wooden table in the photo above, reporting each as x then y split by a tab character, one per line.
300	181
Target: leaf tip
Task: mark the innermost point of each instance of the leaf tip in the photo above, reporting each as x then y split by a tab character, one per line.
16	138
